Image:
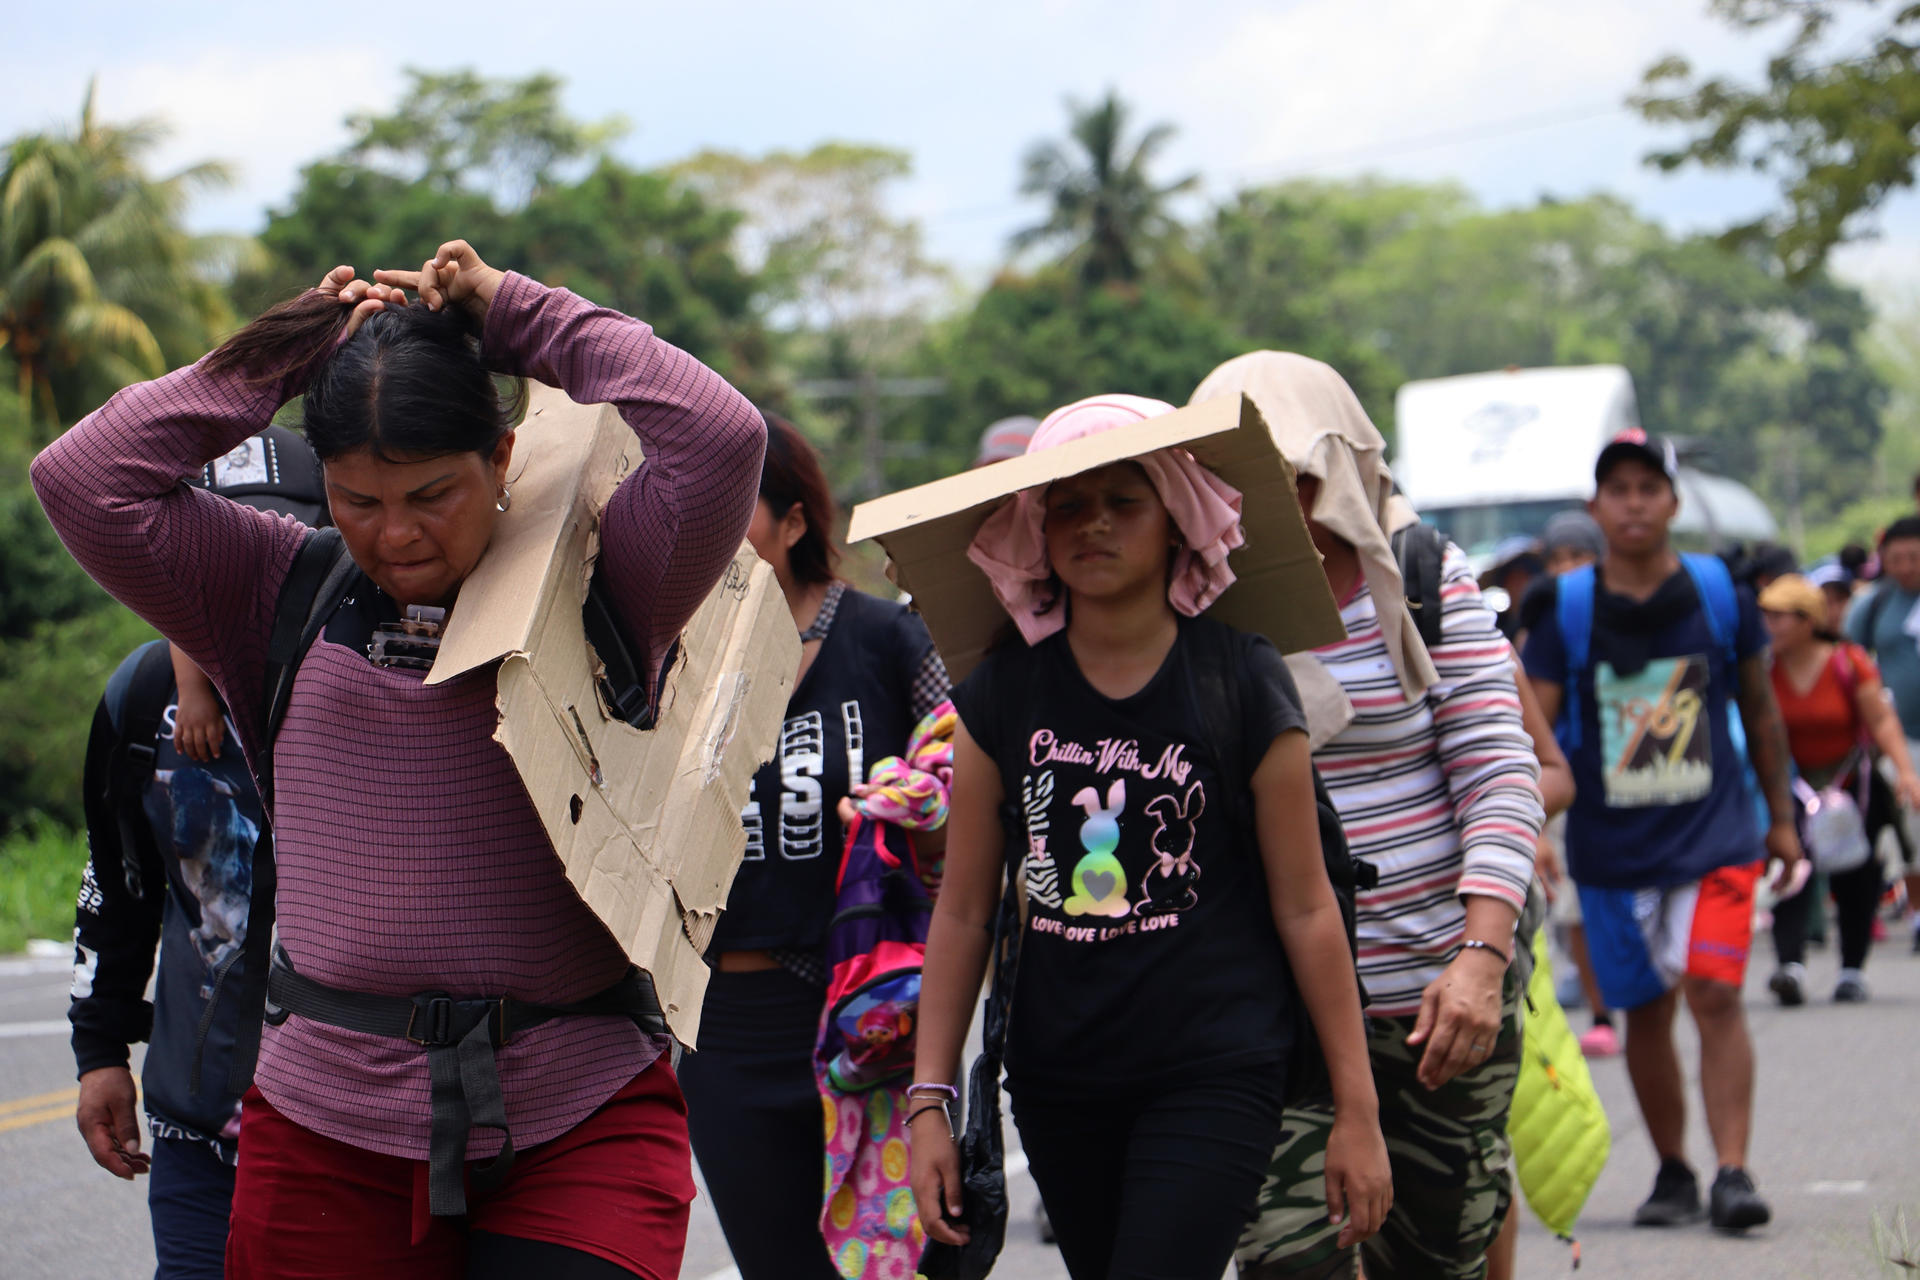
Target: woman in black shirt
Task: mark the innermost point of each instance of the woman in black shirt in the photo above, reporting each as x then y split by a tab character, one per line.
1148	1049
868	673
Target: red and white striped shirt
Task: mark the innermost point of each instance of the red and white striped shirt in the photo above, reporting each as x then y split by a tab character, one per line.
1440	793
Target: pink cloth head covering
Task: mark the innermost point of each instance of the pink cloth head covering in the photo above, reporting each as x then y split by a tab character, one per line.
1011	547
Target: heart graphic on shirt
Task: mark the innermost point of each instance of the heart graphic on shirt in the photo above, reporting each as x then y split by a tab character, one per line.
1099	884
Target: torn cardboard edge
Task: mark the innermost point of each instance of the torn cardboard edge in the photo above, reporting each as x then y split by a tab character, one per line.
1280	590
646	823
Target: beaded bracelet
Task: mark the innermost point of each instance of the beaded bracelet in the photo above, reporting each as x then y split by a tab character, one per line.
1477	944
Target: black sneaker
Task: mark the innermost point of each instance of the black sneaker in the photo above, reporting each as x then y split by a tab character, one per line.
1736	1205
1675	1198
1789	985
1851	989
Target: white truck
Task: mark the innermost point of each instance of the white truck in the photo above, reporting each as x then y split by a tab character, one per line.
1488	456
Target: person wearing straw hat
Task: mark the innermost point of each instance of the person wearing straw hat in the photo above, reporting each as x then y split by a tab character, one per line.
1150	1037
1836	714
1429	763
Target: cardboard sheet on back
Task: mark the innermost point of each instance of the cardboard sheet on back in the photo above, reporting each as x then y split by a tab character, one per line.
647	824
1280	589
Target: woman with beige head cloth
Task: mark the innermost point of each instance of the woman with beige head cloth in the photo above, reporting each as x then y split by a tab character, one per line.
1433	773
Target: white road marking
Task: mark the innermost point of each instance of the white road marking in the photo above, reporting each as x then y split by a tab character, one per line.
1016	1166
15	1030
1837	1187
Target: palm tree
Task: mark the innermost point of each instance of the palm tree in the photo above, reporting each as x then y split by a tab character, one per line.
100	284
1104	202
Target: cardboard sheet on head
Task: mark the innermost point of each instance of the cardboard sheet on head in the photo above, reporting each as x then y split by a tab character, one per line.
647	824
1280	589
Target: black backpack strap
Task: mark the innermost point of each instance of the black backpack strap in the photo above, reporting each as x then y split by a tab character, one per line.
321	577
1215	664
1420	551
131	766
623	676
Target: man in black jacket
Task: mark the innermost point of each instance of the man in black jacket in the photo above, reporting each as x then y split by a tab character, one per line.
171	828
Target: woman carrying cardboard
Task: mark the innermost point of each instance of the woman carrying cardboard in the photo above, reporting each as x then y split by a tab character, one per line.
413	864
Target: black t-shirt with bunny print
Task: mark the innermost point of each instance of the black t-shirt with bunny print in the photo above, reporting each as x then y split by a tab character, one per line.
1150	950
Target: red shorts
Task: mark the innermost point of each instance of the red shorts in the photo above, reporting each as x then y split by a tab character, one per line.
1642	942
617	1185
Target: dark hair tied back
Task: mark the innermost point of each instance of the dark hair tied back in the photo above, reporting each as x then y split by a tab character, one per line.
791	477
410	383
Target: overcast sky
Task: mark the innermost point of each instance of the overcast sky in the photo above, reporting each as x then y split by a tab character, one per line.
1514	98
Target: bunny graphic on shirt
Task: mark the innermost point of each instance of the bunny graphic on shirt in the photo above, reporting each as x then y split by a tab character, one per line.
1168	884
1099	881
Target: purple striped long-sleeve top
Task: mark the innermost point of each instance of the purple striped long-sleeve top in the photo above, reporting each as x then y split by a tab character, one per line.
410	857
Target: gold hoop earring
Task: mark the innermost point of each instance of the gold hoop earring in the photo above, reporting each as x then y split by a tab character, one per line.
505	500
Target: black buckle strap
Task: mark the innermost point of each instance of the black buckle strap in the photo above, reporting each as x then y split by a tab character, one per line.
437	1020
459	1037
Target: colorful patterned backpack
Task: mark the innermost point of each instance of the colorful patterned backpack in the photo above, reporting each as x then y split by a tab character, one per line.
863	1058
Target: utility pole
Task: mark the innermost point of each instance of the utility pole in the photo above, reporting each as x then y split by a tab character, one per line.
873	478
867	390
1796	521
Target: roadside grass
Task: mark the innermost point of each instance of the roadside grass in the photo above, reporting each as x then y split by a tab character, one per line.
39	878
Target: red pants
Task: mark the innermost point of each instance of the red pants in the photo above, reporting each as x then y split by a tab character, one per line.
617	1186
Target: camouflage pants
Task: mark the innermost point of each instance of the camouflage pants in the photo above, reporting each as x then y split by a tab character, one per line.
1452	1179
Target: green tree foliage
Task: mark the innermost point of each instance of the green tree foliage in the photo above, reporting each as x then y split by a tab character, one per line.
60	638
1104	204
844	283
1391	282
1034	342
499	163
100	284
1271	258
459	131
53	676
1842	134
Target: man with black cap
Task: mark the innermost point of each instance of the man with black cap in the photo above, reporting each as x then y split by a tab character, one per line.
172	819
1641	661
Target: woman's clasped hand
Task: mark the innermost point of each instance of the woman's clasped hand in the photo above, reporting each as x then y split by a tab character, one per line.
455	275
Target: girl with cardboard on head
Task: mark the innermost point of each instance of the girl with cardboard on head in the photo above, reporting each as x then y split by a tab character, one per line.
1172	862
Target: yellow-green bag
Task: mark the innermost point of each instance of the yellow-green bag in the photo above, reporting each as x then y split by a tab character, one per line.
1558	1127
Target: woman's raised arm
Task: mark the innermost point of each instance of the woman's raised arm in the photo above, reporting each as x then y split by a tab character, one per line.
203	570
671	528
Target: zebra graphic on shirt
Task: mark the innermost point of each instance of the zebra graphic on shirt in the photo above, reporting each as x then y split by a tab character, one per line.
1043	875
856	742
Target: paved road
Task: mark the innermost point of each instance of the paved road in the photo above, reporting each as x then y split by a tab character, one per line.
1838	1143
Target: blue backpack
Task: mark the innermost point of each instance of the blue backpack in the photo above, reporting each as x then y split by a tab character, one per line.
1713	582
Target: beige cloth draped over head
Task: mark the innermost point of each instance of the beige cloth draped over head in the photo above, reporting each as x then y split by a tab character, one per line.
1323	432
